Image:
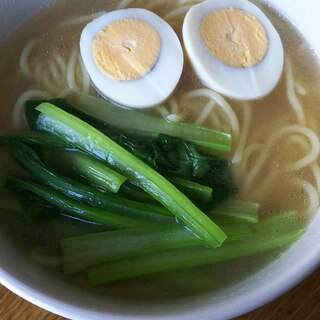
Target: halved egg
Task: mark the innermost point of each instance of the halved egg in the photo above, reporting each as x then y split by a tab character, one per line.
233	48
133	57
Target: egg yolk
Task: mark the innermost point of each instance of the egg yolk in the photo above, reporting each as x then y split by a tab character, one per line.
234	37
126	49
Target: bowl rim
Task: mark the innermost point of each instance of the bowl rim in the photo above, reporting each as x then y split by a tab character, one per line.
294	12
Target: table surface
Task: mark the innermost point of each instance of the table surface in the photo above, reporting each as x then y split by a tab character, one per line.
301	303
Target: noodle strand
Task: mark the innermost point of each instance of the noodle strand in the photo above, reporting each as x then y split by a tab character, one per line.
296	105
312	193
24	58
267	149
71	69
180	11
206	111
221	102
85	77
124	4
247	115
18	115
81	20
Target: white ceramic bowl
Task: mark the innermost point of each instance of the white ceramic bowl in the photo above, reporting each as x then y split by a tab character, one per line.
44	290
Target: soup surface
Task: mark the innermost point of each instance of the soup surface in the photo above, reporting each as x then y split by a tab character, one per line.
275	156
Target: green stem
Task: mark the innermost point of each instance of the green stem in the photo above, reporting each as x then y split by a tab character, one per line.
132	192
182	258
193	190
74	208
34	138
95	171
145	124
30	161
84	251
237	209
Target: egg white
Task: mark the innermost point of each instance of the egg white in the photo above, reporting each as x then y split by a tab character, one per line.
157	85
239	83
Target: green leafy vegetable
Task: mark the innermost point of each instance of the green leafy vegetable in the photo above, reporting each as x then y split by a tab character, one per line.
134	121
263	239
76	132
94	171
29	160
105	116
150	154
237	209
181	159
72	207
34	138
182	258
168	155
88	250
195	191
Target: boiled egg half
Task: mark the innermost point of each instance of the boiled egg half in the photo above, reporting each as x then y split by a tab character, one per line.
233	48
133	57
